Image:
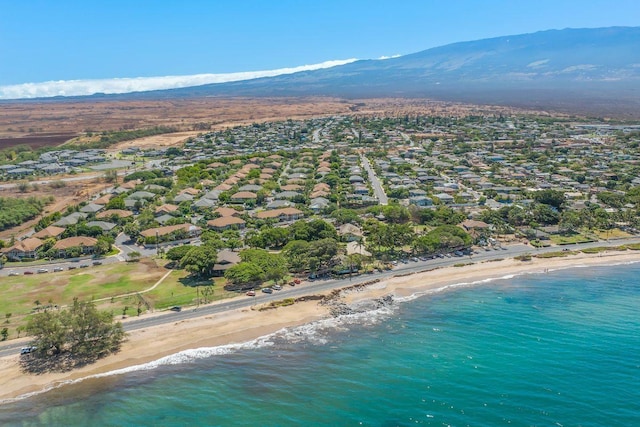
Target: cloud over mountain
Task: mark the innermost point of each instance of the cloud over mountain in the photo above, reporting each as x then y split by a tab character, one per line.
141	84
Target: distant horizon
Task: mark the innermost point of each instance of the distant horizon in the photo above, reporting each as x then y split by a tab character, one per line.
121	85
73	40
128	84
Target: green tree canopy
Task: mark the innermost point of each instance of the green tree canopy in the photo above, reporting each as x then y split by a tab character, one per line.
82	332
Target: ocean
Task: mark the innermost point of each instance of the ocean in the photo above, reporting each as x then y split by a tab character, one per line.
555	349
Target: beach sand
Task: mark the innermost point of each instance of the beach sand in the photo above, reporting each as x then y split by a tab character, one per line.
244	325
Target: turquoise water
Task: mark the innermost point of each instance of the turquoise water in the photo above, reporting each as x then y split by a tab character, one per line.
557	349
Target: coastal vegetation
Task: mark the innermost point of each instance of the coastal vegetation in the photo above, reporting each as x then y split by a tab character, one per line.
67	338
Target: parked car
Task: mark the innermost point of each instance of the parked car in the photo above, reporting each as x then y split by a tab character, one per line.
267	290
28	272
97	262
84	265
72	267
43	270
27	350
58	269
176	308
251	293
14	273
276	287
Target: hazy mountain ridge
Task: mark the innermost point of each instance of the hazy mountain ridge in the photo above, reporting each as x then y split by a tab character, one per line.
595	70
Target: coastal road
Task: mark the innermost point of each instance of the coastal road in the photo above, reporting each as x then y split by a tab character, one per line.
375	181
319	286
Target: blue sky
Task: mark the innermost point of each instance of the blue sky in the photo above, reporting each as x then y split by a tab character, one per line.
63	40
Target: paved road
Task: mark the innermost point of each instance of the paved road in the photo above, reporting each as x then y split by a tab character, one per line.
375	181
407	138
315	287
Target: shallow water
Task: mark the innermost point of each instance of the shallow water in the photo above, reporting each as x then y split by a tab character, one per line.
552	349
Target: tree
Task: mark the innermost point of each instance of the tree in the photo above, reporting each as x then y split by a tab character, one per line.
177	253
116	203
4	334
244	274
104	243
296	252
553	198
82	331
200	260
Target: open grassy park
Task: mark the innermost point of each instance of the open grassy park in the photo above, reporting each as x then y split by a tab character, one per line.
114	287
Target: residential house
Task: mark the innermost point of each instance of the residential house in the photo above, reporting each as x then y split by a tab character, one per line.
50	232
87	245
282	215
226	223
23	249
190	230
350	232
121	213
243	197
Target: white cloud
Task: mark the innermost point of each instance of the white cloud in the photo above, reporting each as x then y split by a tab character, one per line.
383	57
136	84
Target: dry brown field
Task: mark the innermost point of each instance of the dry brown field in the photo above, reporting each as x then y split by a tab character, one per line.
40	123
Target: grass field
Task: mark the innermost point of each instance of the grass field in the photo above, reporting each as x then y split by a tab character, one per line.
567	240
105	283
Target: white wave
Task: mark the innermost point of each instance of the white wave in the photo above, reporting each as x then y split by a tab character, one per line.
138	84
314	333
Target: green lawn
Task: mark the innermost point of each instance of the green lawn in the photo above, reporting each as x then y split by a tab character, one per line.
568	240
20	293
615	233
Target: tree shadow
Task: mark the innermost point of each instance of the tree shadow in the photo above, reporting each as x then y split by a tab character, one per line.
64	362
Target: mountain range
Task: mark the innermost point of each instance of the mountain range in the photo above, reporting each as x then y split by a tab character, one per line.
581	70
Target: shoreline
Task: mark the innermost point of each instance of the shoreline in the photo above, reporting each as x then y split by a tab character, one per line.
240	327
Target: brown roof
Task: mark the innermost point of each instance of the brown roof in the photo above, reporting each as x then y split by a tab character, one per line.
50	231
470	223
319	193
167	208
321	186
103	200
222	211
277	212
120	212
216	165
131	184
244	195
223	187
268	170
231	180
225	221
72	242
250	166
161	231
27	245
291	187
191	191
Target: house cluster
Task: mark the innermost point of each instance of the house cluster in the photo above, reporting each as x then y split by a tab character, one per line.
273	174
53	163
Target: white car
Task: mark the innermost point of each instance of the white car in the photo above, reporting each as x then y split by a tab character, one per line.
14	273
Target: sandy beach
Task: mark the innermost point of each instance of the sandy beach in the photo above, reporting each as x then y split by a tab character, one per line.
239	326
